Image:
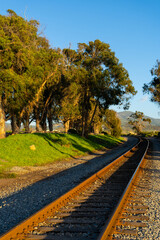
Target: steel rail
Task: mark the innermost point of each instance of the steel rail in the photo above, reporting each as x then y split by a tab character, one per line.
19	231
109	227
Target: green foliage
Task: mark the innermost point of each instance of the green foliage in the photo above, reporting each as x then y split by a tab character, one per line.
112	122
17	48
149	134
106	79
15	149
101	139
126	128
27	65
154	86
137	121
110	82
40	83
69	102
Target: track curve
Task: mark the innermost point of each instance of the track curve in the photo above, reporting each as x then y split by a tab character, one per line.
83	211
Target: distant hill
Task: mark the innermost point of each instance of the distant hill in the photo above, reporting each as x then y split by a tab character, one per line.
8	126
155	123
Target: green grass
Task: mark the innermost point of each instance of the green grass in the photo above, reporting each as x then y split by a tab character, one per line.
15	149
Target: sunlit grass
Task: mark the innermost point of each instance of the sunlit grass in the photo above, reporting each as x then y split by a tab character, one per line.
15	150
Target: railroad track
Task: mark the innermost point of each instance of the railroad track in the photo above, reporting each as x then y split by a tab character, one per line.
82	212
130	213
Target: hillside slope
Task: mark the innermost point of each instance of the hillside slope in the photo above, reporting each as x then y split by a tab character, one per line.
155	123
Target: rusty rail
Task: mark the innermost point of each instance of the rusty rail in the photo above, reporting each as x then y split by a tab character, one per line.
110	226
20	230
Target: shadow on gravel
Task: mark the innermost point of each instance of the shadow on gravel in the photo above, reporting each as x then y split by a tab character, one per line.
22	204
96	209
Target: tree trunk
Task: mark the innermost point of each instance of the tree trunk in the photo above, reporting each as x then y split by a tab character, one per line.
26	122
82	125
43	121
86	116
37	125
96	128
66	125
18	122
84	106
94	112
86	125
14	125
50	123
44	126
2	120
36	113
50	115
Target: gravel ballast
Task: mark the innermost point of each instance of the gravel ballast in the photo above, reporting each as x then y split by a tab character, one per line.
152	175
23	196
147	199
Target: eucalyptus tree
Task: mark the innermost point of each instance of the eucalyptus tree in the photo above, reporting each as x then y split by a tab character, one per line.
47	73
70	88
112	122
27	64
137	121
17	40
153	87
97	122
106	80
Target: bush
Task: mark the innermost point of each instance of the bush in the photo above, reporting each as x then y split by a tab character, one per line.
72	131
150	134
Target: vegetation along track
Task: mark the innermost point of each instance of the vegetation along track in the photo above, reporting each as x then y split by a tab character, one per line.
82	212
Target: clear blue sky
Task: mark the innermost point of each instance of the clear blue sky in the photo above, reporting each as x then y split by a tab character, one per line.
131	27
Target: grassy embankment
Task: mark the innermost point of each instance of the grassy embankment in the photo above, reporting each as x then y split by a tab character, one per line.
15	150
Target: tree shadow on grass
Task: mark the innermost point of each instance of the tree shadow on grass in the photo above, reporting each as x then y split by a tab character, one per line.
80	147
94	142
107	143
75	145
97	142
51	141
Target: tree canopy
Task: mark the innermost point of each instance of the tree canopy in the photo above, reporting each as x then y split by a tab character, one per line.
105	80
39	83
112	122
154	86
26	64
137	121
